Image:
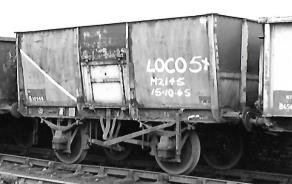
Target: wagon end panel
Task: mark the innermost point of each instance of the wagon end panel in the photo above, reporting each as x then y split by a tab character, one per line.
255	43
171	63
277	71
49	68
8	90
103	52
232	36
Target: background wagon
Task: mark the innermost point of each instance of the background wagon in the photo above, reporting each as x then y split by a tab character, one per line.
12	125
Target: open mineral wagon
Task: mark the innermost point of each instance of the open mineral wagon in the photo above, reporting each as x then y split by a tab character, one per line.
151	83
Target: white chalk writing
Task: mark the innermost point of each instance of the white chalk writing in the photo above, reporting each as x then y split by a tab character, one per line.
171	92
174	86
160	82
154	81
178	65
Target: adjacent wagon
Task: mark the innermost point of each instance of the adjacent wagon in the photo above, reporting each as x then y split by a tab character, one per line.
8	85
12	124
273	108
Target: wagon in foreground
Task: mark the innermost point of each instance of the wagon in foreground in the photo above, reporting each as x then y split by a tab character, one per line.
153	83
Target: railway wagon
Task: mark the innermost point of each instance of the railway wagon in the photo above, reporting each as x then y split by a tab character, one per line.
8	86
274	109
154	84
12	124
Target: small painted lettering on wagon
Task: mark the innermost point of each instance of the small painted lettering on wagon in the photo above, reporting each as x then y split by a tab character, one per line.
285	106
36	95
282	102
288	97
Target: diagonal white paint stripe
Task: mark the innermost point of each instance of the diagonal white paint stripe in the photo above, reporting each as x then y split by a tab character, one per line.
48	76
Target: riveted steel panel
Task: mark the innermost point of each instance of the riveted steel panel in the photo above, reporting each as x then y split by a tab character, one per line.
49	61
171	63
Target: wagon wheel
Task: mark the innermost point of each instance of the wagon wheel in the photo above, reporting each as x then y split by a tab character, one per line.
78	148
117	155
223	149
190	154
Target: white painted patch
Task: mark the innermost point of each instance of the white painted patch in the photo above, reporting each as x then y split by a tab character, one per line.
48	76
61	111
106	85
203	20
99	73
107	93
72	111
281	57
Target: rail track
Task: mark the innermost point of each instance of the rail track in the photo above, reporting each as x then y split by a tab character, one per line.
16	169
46	168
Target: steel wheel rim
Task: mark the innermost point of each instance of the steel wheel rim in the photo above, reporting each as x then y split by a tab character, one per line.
234	152
190	155
77	154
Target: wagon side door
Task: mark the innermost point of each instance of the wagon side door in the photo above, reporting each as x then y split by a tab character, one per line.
103	55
